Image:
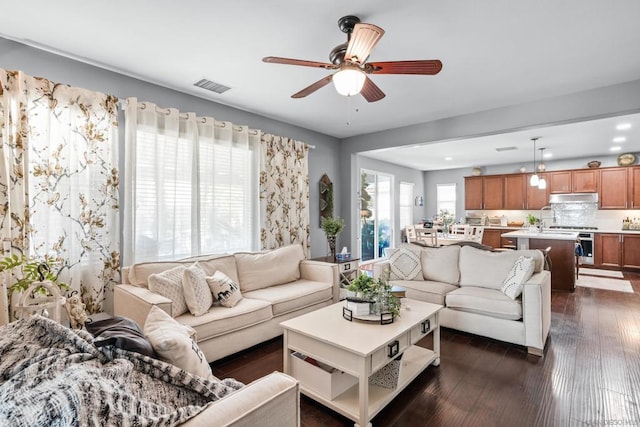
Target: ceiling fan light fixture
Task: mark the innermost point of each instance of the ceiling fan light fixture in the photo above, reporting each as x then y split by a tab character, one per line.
349	81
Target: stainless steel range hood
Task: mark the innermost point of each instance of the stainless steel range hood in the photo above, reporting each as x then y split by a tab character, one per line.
573	198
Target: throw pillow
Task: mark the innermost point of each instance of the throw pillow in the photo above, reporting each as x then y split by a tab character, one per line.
175	343
122	333
225	291
405	263
521	271
196	290
169	285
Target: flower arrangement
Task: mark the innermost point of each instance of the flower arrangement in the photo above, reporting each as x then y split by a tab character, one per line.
377	292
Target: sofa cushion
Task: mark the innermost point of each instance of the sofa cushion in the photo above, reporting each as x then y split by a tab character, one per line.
488	302
404	263
139	273
425	290
489	269
175	343
441	264
264	269
520	272
223	263
225	290
293	296
169	285
196	290
222	320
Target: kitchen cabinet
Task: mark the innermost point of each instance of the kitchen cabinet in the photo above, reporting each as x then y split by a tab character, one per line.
493	191
614	188
584	180
559	182
483	192
514	192
617	250
473	193
492	237
634	187
537	198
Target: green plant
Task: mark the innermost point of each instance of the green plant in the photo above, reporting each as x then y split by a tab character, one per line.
332	226
29	270
376	290
362	285
532	220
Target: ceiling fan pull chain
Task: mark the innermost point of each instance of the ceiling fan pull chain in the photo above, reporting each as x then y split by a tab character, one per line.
348	110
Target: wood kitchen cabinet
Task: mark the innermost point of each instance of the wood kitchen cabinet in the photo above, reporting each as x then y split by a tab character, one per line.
585	180
473	193
492	237
537	198
634	187
493	192
617	250
559	182
614	188
514	192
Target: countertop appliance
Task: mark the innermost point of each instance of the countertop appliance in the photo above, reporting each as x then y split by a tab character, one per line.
474	218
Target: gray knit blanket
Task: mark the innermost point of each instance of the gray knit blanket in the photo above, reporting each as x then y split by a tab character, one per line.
51	375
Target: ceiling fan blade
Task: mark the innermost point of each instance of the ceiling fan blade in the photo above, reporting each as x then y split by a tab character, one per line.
362	41
302	62
313	87
425	67
371	92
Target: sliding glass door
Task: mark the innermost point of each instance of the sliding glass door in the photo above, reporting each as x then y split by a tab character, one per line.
376	214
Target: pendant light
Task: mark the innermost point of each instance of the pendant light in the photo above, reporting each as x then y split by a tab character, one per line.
534	180
542	183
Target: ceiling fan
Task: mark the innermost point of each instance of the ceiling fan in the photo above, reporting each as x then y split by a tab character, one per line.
350	60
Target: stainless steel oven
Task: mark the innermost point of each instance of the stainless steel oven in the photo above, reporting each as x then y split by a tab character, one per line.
586	241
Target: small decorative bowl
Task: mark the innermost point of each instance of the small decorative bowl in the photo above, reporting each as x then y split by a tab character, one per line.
594	164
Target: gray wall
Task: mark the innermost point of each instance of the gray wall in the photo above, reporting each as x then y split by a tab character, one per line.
35	62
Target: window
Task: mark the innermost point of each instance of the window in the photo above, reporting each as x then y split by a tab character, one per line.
446	198
193	196
406	204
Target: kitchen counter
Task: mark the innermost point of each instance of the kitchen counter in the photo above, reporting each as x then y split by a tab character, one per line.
562	255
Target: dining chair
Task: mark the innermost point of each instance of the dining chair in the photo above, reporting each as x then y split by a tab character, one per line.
475	233
428	236
460	230
410	232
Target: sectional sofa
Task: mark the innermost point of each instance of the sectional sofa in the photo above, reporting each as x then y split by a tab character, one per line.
469	282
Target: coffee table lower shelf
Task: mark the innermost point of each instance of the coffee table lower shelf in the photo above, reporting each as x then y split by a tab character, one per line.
415	359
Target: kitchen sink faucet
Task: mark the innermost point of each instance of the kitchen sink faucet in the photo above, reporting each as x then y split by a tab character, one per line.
542	225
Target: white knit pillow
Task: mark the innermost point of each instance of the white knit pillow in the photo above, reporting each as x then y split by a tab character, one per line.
405	263
196	290
521	271
169	284
224	290
176	343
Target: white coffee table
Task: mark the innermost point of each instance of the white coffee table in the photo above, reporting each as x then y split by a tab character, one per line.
361	348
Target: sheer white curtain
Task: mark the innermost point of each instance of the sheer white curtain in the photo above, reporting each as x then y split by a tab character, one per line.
191	184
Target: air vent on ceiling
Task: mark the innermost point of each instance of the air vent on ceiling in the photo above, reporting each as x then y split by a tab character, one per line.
500	149
212	86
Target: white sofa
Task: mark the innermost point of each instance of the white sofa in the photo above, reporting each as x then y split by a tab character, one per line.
468	281
276	285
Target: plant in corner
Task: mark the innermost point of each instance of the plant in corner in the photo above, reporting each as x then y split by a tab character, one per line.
332	227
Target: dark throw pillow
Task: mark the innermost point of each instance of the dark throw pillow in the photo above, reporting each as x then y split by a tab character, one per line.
122	333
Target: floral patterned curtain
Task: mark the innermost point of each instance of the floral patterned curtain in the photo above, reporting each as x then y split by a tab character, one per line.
284	192
59	182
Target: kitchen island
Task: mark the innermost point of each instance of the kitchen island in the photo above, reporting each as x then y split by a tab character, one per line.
562	256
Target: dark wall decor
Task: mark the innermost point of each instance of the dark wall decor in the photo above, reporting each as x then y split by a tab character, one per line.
326	198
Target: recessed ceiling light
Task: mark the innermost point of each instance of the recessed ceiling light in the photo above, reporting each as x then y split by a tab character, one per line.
623	126
448	158
615	148
619	139
548	155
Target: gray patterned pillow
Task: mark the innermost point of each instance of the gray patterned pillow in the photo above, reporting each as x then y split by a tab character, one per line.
405	264
521	271
196	290
169	285
225	290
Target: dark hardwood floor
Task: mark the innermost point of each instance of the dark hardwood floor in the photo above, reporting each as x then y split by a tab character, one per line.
589	374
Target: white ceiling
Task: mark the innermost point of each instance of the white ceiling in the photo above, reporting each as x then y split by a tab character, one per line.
495	53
